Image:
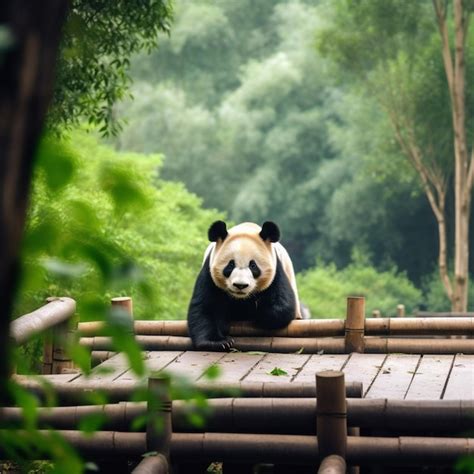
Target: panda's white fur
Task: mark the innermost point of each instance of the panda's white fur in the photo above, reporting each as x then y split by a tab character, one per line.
242	245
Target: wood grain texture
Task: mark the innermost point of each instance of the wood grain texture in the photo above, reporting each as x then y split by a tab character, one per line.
460	385
363	368
430	378
290	363
395	376
318	363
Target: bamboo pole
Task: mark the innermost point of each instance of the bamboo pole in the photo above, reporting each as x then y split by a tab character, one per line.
376	313
430	314
373	344
374	326
332	465
63	338
78	393
331	413
47	364
355	324
297	328
381	345
282	449
56	311
268	415
158	427
401	311
353	431
265	344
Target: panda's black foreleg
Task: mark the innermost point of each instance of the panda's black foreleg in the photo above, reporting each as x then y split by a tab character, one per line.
208	334
208	325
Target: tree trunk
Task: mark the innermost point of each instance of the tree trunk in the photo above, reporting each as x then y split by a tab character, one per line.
461	193
26	83
455	75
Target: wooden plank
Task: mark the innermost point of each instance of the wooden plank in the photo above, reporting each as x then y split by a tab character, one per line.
235	366
319	362
191	364
460	384
107	371
154	361
395	376
290	363
430	377
363	368
54	378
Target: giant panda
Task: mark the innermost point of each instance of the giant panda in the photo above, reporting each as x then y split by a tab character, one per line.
246	275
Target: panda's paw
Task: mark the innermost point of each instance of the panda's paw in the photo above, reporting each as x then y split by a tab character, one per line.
216	346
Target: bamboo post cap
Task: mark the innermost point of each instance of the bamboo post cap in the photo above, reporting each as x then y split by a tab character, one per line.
124	302
332	464
331	392
401	310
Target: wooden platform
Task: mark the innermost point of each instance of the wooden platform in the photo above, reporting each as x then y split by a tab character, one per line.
393	376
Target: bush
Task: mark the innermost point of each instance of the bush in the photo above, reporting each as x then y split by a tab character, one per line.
102	224
435	295
324	289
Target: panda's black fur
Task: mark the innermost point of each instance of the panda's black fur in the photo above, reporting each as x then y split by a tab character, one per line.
212	309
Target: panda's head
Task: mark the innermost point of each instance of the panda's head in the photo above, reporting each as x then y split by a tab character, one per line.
243	261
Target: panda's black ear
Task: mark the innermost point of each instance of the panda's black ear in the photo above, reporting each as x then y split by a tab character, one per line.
218	230
270	231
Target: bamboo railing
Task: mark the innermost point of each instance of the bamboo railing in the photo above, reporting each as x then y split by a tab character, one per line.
281	449
54	319
331	336
77	393
308	328
328	345
268	415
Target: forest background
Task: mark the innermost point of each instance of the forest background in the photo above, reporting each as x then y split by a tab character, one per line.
244	112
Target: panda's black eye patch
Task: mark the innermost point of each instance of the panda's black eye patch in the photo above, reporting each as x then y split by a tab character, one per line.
256	272
228	269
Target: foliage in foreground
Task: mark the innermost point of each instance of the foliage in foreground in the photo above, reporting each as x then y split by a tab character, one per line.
324	289
115	229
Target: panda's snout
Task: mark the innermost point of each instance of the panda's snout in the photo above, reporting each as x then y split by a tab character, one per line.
240	286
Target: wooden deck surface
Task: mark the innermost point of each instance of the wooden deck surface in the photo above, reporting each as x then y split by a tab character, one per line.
393	376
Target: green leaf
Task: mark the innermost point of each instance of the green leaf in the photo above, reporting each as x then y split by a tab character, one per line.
57	163
212	372
277	372
81	357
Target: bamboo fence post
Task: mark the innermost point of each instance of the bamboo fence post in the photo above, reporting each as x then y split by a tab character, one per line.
376	313
55	352
355	323
123	302
158	428
353	431
332	465
331	413
63	336
400	311
47	365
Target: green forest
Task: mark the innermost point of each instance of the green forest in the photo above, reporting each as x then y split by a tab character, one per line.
275	110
